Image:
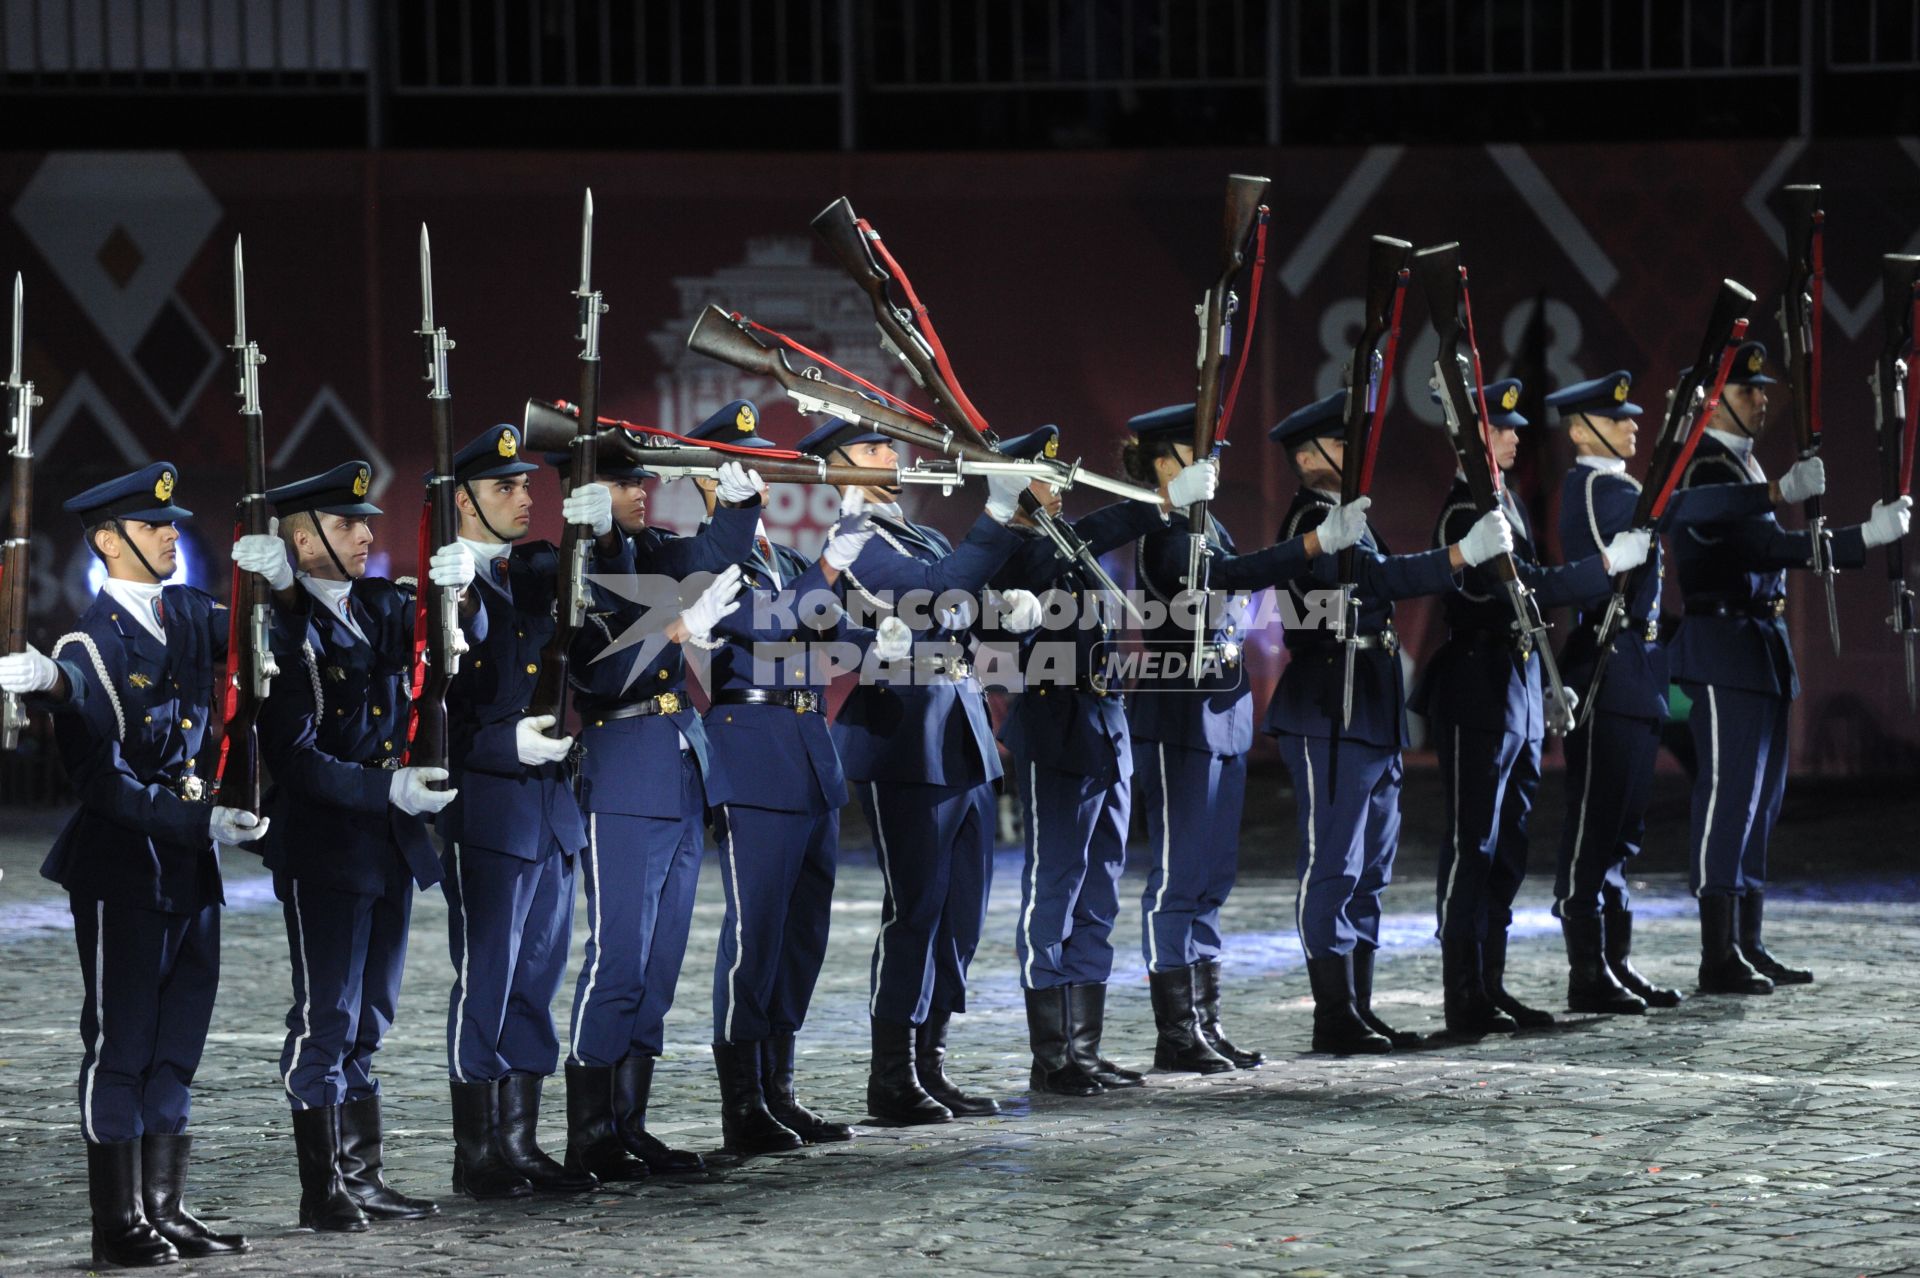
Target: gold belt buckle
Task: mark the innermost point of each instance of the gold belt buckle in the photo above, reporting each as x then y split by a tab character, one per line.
1653	630
1780	607
668	703
192	788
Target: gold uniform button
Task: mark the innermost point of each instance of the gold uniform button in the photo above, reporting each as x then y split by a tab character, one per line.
477	663
377	712
533	668
661	675
386	745
339	710
149	719
599	723
186	723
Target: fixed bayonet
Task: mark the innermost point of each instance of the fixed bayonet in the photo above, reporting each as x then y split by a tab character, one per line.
17	580
1800	312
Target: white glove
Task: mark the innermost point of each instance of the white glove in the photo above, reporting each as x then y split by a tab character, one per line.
1344	526
265	554
846	539
30	671
1628	550
1021	611
893	641
1804	479
718	600
1490	535
1198	482
530	739
590	505
737	483
410	794
1003	496
1573	703
231	826
1888	522
452	565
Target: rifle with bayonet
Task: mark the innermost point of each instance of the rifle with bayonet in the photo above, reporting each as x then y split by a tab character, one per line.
1802	308
1215	316
250	665
1369	382
437	634
576	543
908	333
724	337
16	578
1444	281
1896	411
1690	406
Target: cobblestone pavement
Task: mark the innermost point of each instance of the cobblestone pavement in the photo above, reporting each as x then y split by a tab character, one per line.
1753	1136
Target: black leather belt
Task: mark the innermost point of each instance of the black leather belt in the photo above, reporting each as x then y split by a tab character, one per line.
799	701
384	765
1516	642
189	787
664	703
1387	640
1758	609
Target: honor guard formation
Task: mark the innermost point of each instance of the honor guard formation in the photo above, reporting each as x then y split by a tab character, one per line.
525	721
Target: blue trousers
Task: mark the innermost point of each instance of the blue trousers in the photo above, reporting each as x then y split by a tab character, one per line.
148	980
641	874
508	925
1192	799
1070	880
777	869
1349	819
1740	739
348	953
1489	780
935	846
1610	762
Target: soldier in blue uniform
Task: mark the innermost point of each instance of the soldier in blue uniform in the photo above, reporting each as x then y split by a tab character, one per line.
1731	655
1191	740
916	744
1610	755
133	685
643	753
1347	776
1482	690
512	836
1066	730
349	841
776	789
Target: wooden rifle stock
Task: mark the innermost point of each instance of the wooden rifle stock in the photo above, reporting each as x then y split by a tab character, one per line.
16	577
437	608
250	653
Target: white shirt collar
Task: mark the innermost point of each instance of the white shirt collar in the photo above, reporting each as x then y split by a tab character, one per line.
137	598
1322	492
1605	465
485	552
1741	445
334	595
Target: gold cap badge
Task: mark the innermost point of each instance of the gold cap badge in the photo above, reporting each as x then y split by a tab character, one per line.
1620	391
1755	362
163	486
509	446
362	481
745	419
1053	446
1510	400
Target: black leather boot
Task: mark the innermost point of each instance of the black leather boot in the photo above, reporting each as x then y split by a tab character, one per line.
1493	973
1362	959
776	1087
363	1161
163	1187
1086	1026
479	1169
632	1085
930	1066
894	1094
520	1139
122	1235
1591	986
1049	1029
593	1145
1206	1004
1617	926
1181	1048
1470	1013
324	1203
1337	1026
1723	968
746	1127
1752	913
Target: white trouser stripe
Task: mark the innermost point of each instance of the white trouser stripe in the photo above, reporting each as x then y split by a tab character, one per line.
593	931
1713	790
886	875
1453	872
1300	901
1166	865
1033	867
739	910
466	951
99	1014
306	998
